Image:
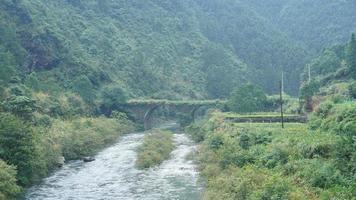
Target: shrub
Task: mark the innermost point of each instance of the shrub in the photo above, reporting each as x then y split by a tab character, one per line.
8	187
84	88
275	188
232	156
156	148
320	173
244	141
119	116
352	89
43	120
20	106
215	141
345	156
112	97
196	132
277	156
32	81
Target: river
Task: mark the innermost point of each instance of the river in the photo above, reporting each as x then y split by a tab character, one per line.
113	176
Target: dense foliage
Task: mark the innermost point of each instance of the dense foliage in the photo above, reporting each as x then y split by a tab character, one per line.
18	147
8	186
156	148
330	75
247	98
172	49
263	161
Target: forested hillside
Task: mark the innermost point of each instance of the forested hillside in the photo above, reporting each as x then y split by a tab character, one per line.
313	24
172	49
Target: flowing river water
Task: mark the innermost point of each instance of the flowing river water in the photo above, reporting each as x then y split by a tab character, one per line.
113	176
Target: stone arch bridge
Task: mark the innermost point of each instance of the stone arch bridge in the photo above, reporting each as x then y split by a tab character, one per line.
142	110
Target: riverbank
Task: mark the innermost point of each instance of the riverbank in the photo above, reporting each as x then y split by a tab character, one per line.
37	151
264	161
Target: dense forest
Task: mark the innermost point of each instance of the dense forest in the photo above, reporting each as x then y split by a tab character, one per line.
137	45
68	66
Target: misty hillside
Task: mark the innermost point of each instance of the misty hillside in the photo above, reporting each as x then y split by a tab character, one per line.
169	49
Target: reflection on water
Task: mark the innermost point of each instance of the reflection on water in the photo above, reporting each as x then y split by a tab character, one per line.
113	176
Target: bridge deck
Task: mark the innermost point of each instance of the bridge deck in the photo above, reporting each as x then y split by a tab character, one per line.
173	102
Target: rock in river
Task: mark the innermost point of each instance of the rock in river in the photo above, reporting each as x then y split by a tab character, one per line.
88	159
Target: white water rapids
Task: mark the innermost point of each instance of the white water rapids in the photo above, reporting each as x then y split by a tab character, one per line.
113	176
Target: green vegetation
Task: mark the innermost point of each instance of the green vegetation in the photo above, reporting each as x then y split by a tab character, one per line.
156	148
264	161
250	98
8	186
331	75
247	98
35	149
85	136
19	147
191	49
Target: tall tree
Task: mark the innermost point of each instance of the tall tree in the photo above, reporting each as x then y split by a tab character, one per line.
351	55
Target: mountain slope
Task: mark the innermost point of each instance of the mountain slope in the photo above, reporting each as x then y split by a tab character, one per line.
156	49
314	24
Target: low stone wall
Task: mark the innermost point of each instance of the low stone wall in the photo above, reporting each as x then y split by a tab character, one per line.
274	119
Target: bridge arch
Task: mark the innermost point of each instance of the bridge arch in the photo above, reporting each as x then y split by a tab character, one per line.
142	110
147	118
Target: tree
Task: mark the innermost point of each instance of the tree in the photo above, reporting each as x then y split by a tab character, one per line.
247	98
84	88
351	56
112	97
17	147
8	187
20	106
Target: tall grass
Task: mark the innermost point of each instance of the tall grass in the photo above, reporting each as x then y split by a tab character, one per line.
81	137
156	148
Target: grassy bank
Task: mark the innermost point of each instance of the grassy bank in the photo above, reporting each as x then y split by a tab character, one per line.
264	161
30	152
156	148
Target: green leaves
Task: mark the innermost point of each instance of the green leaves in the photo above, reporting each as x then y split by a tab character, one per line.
351	55
8	187
247	98
20	106
18	147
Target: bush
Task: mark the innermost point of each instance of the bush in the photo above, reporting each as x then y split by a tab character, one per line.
277	156
8	187
232	156
84	88
20	106
215	141
112	97
196	132
345	156
352	89
320	173
275	188
156	148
